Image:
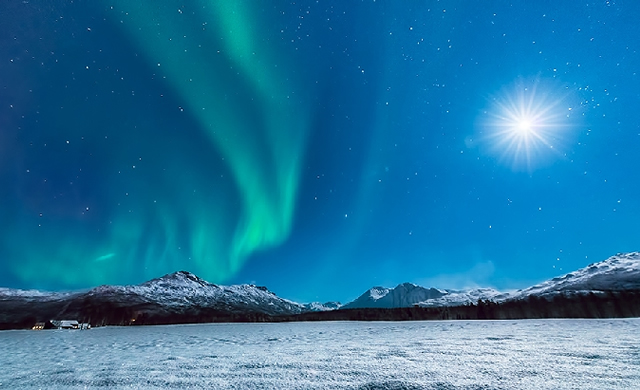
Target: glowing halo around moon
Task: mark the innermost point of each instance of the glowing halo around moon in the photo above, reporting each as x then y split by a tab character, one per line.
525	123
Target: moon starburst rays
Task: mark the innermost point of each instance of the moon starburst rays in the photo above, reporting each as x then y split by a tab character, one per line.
524	125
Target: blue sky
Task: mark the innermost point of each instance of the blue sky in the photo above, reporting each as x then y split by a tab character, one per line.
317	149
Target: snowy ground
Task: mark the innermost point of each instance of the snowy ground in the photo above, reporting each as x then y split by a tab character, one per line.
448	355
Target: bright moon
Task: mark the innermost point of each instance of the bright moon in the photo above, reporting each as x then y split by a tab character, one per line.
524	123
524	126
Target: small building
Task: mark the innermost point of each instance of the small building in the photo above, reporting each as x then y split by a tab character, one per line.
38	326
65	324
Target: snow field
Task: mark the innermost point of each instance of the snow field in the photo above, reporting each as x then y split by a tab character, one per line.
534	354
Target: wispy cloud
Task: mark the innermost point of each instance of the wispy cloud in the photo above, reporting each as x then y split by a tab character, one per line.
479	275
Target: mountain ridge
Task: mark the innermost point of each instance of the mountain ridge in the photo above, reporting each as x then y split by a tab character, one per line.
616	273
182	297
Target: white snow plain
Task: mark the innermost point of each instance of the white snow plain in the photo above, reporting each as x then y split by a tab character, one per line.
445	355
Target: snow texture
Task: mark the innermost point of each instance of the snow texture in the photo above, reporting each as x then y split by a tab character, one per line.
450	355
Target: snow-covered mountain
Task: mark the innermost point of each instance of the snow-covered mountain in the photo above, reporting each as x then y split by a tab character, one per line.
403	295
183	297
6	293
174	298
464	297
327	306
408	295
183	290
617	273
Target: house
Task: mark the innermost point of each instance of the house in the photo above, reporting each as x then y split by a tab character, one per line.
65	324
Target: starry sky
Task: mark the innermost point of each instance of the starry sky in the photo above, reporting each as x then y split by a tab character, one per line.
317	148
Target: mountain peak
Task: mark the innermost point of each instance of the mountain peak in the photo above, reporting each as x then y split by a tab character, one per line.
407	285
177	279
403	295
378	292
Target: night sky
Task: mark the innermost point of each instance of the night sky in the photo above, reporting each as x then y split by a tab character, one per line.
316	148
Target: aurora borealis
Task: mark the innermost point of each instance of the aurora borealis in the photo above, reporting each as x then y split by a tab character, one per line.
262	149
306	145
234	196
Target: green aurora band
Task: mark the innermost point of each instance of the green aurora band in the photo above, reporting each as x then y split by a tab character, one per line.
238	88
